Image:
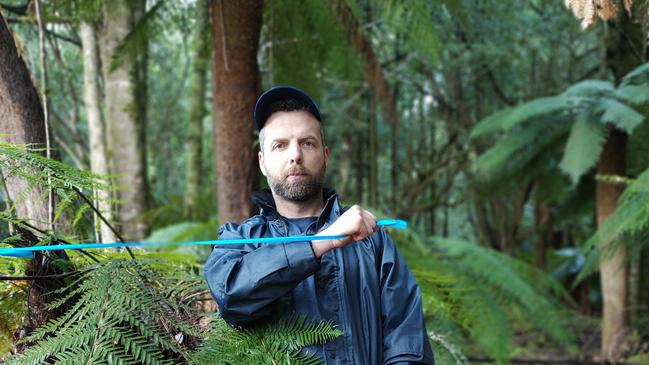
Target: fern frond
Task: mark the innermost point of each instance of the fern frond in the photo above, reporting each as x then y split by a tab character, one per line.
117	313
279	342
508	118
584	145
515	150
590	89
634	86
620	115
491	268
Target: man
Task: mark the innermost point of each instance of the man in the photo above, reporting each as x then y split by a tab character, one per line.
360	282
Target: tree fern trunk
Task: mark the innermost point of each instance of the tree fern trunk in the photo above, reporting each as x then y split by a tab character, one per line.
96	133
125	134
21	122
613	269
625	50
197	111
235	86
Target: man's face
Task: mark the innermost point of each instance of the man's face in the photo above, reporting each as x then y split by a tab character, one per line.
293	157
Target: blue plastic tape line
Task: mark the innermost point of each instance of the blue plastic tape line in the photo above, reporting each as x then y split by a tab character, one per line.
27	252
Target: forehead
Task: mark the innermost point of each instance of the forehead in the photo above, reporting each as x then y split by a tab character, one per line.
292	124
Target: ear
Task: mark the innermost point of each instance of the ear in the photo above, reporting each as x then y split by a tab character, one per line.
326	156
260	156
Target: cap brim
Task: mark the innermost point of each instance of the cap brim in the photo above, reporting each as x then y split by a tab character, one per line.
277	93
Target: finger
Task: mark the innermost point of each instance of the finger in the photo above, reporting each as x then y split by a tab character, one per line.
369	225
371	214
371	219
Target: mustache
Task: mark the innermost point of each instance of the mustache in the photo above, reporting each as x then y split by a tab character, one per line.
296	171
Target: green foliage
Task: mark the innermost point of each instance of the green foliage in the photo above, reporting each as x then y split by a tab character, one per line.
305	45
12	308
506	119
593	104
626	227
46	176
480	289
633	86
143	312
121	312
583	147
270	343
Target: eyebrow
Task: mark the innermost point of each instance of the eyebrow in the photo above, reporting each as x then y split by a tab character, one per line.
301	139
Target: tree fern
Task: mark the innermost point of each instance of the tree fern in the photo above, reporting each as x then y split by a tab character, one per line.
588	103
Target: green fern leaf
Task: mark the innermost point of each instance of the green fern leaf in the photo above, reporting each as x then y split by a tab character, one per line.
583	147
507	119
620	115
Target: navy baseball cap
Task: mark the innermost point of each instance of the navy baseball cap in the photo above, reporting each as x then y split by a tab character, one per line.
277	93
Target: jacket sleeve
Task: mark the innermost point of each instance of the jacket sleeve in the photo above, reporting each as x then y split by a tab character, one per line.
405	340
245	280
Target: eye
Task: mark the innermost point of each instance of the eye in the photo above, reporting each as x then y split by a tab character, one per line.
278	146
309	144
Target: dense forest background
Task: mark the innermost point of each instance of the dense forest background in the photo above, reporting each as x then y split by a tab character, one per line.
512	136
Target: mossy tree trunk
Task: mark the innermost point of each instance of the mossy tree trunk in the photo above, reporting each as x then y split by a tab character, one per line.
125	91
197	111
22	122
96	129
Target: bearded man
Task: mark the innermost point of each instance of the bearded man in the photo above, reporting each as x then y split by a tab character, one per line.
359	282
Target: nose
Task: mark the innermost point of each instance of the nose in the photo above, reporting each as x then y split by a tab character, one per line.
295	153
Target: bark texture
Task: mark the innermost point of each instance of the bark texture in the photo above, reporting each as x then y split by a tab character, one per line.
96	131
125	119
235	86
21	122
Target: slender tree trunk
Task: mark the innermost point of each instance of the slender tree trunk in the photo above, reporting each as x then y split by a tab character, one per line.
625	50
21	122
613	269
124	126
197	112
236	84
96	133
372	160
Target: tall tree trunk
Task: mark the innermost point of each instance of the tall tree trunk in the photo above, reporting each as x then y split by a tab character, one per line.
21	122
96	133
625	50
197	111
236	84
124	126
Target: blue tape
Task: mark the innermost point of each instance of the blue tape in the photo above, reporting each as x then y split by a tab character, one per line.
27	252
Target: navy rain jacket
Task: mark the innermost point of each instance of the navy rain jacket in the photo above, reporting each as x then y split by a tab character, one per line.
365	288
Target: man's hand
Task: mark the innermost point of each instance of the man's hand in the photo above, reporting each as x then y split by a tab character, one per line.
356	223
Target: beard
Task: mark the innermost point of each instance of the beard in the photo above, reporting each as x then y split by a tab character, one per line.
300	190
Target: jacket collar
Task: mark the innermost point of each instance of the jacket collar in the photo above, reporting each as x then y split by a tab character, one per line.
264	200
